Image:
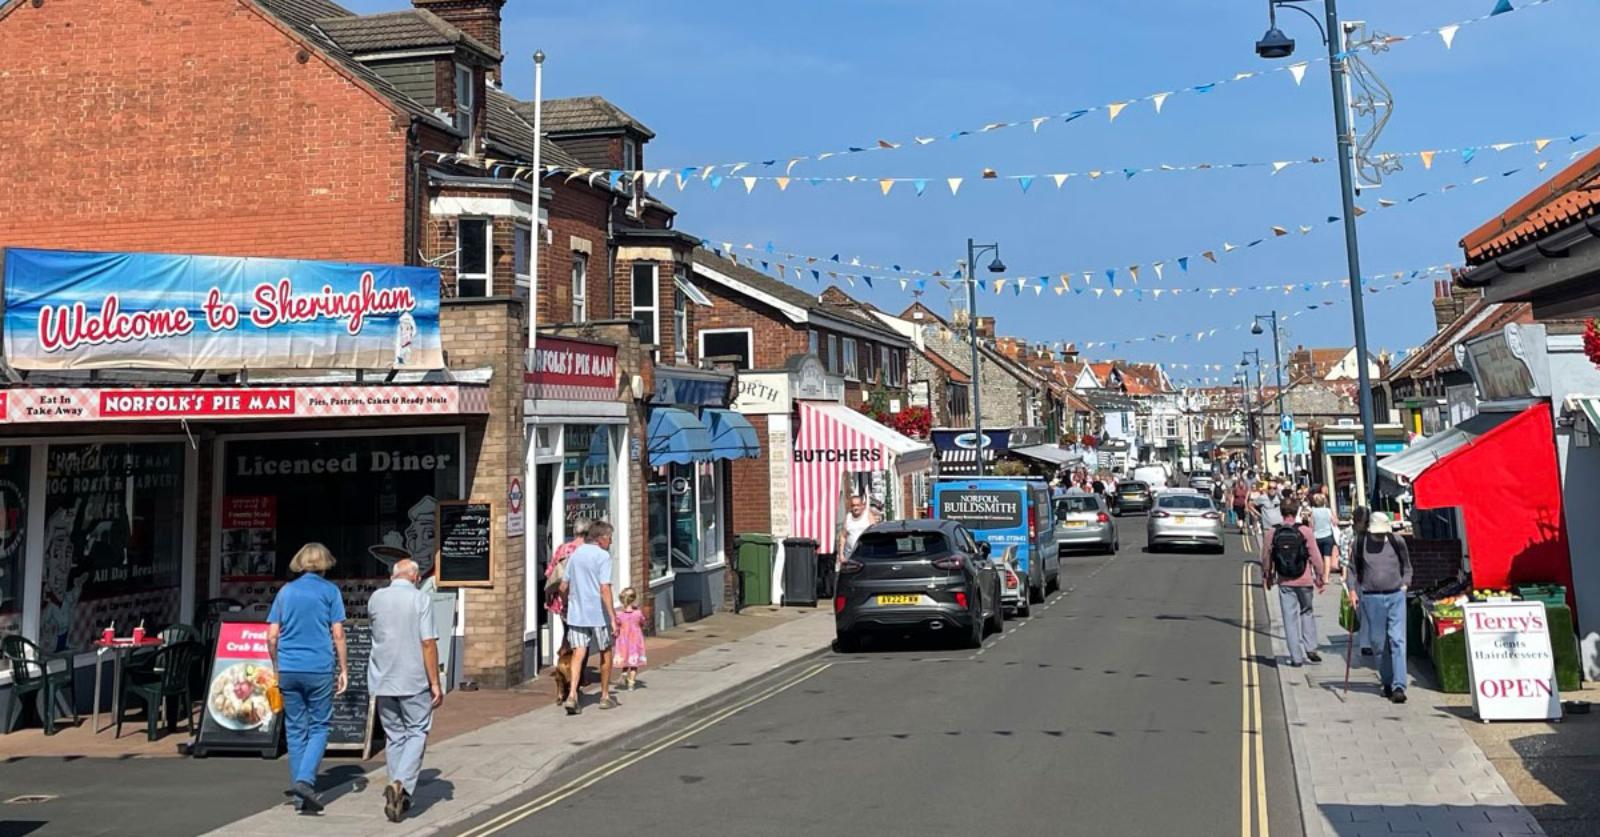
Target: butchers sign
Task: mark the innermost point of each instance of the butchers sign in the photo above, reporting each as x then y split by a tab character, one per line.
571	370
1509	656
83	310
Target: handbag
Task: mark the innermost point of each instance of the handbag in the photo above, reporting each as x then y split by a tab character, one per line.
275	699
1349	615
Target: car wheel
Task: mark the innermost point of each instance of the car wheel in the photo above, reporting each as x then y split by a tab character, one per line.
1052	583
997	620
847	643
1024	610
974	637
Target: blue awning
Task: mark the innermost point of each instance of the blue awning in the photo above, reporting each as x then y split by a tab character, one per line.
676	436
732	437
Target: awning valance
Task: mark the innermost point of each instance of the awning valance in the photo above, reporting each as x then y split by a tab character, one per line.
677	437
732	437
1411	462
1049	454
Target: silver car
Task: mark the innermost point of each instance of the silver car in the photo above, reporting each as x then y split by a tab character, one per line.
1185	517
1084	522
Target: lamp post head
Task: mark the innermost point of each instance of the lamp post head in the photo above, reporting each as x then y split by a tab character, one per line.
1275	44
997	266
1255	328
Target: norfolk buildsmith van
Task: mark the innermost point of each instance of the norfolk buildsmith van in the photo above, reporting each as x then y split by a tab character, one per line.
1013	516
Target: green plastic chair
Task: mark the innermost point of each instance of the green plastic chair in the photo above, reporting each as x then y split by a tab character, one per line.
32	675
166	678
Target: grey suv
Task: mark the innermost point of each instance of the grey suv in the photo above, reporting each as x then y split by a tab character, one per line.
917	576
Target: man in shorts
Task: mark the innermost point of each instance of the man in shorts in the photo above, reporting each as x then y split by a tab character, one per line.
591	621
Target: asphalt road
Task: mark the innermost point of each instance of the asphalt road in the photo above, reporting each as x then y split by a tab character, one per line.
1123	706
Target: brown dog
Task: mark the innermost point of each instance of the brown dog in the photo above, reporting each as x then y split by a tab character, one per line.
562	674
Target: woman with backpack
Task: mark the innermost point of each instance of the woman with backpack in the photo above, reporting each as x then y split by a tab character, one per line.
1290	559
1382	573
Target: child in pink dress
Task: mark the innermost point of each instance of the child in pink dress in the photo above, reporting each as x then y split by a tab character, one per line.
629	653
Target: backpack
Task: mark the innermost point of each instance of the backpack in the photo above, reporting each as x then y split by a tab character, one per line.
1289	553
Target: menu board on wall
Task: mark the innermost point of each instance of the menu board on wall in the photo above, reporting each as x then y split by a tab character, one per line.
113	539
351	727
465	559
14	462
236	715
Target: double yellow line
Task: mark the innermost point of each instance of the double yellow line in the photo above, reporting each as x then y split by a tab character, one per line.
1252	773
608	769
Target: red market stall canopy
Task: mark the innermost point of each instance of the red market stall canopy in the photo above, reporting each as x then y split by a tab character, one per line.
1507	486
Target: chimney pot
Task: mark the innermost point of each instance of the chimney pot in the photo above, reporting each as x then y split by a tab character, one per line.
478	18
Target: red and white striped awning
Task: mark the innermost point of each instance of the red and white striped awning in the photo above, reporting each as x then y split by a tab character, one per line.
833	440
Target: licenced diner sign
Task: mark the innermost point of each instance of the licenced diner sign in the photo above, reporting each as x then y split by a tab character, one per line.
55	404
86	310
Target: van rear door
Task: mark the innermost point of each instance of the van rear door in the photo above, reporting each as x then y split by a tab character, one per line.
994	514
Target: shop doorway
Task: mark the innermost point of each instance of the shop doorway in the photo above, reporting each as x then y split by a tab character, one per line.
544	533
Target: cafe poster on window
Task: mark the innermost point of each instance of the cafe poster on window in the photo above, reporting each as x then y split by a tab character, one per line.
86	310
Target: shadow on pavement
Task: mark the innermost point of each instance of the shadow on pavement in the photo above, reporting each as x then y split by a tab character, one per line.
1360	820
19	828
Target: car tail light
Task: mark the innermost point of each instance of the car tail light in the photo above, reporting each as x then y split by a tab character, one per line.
1102	517
961	600
1011	580
849	567
1159	513
1033	522
838	604
951	563
1211	515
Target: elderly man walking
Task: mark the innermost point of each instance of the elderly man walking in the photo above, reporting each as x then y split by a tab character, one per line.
591	619
403	674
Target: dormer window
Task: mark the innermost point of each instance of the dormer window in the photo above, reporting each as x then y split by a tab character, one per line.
630	154
466	101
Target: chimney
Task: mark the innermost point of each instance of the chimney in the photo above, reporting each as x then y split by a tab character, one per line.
478	18
986	328
1069	353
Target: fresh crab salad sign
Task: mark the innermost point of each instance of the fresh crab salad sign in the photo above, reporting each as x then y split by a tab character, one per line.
80	310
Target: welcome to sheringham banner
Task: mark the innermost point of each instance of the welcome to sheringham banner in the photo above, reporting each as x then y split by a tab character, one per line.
81	310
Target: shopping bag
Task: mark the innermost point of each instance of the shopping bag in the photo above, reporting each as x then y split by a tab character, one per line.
1349	615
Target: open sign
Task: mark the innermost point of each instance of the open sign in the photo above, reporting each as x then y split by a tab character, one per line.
1509	655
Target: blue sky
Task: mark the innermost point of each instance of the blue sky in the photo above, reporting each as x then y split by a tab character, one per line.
726	81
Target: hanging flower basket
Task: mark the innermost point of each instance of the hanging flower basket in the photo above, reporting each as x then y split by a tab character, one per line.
1591	341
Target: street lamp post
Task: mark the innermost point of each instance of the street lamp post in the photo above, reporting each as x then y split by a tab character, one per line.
995	266
1275	44
1249	427
1244	364
1277	368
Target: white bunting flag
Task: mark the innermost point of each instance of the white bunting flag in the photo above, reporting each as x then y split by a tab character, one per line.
955	184
1298	70
1448	33
1158	266
749	184
1540	145
1037	121
1059	179
924	140
1501	146
737	167
1160	99
1279	165
1099	292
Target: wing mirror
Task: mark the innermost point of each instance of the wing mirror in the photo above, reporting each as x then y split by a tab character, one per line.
984	549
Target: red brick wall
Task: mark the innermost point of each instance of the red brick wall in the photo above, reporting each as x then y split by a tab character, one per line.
575	211
193	128
776	339
1433	561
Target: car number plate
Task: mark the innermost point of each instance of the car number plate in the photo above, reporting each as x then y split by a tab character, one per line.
1076	524
1182	519
899	600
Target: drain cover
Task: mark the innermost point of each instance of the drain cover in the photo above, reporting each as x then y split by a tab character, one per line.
29	799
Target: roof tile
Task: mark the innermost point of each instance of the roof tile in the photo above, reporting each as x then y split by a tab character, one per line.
585	113
1571	196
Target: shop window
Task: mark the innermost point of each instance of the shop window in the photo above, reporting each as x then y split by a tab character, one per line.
695	525
372	500
851	371
113	540
14	462
580	287
833	354
727	342
473	239
586	472
646	303
658	510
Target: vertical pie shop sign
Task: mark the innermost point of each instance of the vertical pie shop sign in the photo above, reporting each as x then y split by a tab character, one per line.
1509	656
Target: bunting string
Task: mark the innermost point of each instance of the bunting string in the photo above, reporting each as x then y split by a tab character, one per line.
1296	71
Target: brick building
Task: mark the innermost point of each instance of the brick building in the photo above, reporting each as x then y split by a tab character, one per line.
295	129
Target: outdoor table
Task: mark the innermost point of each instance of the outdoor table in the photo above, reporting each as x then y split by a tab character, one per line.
119	648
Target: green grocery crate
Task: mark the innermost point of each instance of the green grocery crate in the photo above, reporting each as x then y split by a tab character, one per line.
1550	594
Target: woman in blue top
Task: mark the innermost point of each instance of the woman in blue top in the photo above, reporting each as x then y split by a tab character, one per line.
305	634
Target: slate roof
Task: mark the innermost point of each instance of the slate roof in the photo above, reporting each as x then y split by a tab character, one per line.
581	114
1566	199
302	16
410	29
507	129
792	295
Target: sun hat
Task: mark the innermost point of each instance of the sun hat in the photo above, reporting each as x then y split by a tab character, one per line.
1380	524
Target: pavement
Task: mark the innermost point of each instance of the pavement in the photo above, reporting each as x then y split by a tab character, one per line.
1366	766
1122	706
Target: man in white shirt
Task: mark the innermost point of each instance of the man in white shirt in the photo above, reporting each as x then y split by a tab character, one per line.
591	621
403	674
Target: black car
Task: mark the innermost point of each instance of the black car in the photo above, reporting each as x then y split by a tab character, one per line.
917	576
1132	496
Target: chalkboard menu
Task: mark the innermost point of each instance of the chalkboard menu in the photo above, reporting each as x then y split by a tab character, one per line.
465	559
352	724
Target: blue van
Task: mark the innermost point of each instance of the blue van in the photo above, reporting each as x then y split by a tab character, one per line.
1016	518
